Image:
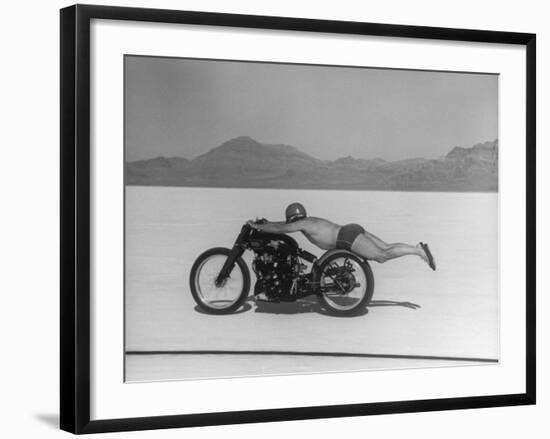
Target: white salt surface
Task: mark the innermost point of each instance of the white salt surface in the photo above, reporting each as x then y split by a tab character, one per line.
452	312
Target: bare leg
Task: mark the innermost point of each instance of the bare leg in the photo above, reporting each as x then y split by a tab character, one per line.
379	242
398	249
370	246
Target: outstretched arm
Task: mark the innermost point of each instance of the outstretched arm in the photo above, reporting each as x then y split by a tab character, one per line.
278	226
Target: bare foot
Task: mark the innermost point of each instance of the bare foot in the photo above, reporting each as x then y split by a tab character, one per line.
426	255
422	253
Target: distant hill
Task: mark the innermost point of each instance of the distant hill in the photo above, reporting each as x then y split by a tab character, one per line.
244	162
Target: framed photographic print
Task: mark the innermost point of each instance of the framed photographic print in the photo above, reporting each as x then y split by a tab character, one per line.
273	218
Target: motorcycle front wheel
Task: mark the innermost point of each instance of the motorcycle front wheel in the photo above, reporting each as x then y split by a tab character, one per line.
347	284
223	299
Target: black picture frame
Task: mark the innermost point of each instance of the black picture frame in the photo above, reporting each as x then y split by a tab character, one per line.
75	217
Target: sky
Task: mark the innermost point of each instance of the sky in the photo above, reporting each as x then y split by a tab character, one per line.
185	107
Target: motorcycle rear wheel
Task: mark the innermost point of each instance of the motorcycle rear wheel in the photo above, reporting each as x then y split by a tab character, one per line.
351	289
213	299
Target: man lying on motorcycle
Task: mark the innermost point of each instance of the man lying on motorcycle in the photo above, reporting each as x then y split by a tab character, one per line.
328	235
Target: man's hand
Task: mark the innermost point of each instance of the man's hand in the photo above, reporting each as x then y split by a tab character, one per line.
254	223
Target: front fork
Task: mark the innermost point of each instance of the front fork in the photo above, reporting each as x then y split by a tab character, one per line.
236	252
227	268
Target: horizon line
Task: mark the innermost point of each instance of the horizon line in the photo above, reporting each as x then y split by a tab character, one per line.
309	155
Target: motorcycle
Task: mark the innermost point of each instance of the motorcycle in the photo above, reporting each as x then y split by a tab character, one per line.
342	281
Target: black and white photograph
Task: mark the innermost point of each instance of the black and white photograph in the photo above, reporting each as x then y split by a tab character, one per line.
272	219
284	219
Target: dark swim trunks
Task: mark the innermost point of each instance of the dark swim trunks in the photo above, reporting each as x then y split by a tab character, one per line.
347	235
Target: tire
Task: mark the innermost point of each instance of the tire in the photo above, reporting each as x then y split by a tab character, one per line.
201	280
350	302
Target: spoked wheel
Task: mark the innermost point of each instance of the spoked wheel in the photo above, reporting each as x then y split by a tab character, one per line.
225	298
346	282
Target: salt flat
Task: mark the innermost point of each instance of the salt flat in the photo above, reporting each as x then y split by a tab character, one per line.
415	312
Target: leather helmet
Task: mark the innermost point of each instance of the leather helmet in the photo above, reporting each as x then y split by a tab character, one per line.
295	212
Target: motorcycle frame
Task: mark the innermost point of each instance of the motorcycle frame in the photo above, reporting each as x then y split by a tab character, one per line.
239	247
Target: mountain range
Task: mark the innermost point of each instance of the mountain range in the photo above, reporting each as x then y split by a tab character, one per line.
245	163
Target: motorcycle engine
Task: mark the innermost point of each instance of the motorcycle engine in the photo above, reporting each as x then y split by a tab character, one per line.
274	267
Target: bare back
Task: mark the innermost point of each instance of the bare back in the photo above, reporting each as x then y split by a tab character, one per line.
319	231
